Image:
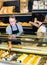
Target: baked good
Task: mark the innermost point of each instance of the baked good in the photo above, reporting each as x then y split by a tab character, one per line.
10	9
21	58
36	60
28	58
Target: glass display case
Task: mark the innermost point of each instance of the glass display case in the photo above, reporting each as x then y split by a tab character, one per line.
29	49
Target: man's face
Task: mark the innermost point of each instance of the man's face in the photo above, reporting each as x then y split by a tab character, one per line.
12	21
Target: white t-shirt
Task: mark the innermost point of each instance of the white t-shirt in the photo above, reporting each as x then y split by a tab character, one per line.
41	30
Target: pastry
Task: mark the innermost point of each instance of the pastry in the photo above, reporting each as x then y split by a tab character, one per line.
36	60
28	58
21	58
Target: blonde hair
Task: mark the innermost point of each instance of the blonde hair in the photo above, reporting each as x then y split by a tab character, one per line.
12	17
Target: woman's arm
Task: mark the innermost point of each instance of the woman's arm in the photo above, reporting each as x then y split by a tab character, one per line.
34	23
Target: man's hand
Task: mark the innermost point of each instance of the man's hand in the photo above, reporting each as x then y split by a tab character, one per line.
9	45
12	36
9	48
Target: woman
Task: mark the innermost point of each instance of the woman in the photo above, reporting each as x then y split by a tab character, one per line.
41	27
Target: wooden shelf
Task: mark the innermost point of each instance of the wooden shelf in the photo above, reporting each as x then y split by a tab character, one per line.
24	27
39	11
16	14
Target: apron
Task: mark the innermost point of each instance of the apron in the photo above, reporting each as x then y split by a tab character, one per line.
18	41
16	31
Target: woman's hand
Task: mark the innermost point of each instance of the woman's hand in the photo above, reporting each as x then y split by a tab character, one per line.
33	23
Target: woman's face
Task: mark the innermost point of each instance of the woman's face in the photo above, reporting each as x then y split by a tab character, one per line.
12	21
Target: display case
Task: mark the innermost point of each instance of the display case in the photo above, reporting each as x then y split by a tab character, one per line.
29	49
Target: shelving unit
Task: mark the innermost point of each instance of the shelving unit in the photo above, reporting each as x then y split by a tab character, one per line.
39	11
19	14
16	14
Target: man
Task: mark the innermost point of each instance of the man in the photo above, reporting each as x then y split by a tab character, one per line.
14	29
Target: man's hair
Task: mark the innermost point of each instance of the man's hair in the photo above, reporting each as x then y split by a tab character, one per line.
12	16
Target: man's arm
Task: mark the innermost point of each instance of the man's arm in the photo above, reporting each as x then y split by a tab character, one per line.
9	45
8	30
